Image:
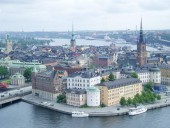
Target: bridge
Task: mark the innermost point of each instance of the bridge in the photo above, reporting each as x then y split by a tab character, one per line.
9	100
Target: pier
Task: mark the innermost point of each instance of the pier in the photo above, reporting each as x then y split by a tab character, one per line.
93	112
9	100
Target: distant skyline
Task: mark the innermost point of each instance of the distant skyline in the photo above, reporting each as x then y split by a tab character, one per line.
58	15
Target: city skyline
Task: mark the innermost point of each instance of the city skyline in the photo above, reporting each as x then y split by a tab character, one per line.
58	15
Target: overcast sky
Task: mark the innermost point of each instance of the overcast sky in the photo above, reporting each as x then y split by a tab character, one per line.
58	15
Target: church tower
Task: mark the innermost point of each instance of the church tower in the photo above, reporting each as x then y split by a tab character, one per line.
9	45
141	49
73	40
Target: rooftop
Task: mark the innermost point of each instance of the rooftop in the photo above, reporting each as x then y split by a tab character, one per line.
119	83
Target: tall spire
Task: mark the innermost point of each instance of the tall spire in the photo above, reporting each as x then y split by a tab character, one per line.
72	34
141	33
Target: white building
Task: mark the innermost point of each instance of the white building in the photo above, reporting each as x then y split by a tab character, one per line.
143	75
82	80
18	79
93	96
155	75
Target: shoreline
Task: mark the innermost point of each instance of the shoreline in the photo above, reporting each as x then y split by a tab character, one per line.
93	112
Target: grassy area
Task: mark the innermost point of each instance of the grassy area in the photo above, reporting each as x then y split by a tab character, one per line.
7	81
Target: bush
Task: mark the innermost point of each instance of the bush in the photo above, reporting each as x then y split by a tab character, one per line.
123	101
102	105
61	98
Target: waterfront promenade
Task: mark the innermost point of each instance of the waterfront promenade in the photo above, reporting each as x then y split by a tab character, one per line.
105	111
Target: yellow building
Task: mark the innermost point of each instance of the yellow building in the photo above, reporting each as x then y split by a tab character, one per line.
112	91
165	74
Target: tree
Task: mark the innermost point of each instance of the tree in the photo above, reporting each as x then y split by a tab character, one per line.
158	97
102	105
27	74
122	101
111	77
148	86
129	101
103	80
134	75
3	71
61	98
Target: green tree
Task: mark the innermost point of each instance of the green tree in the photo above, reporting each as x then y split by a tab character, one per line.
158	97
148	86
129	101
27	74
103	80
134	75
122	101
102	105
3	72
134	102
61	98
111	77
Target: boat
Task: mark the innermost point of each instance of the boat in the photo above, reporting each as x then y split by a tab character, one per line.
137	110
79	114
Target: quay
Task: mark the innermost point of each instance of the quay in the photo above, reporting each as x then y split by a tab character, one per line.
93	112
9	100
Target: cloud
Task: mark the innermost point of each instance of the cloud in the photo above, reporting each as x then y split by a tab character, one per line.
58	15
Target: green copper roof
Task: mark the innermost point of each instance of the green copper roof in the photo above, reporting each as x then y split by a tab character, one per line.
93	89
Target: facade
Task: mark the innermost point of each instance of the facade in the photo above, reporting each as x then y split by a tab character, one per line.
9	45
82	80
46	84
105	60
112	91
93	96
155	75
75	97
141	49
165	74
143	75
18	79
15	66
73	41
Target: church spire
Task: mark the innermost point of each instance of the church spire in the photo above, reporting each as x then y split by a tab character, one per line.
141	33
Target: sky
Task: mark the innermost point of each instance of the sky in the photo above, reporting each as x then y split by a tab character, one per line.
58	15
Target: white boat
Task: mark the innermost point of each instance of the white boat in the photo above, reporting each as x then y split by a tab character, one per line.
79	114
137	110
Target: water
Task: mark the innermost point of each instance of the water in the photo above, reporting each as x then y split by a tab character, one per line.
58	42
24	115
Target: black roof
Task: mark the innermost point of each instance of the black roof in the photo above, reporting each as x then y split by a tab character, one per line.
119	83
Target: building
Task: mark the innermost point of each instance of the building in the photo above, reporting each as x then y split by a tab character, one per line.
112	91
141	49
82	80
73	41
93	96
76	97
143	75
155	75
18	79
9	45
15	66
105	60
68	67
46	84
165	74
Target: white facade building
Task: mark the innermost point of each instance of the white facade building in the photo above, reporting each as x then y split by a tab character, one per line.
82	80
155	75
143	75
18	79
93	96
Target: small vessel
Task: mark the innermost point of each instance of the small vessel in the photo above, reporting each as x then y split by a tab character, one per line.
79	114
137	110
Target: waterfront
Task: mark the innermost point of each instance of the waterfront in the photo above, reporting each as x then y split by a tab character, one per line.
24	115
58	42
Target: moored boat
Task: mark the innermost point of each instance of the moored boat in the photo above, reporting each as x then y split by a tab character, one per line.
137	110
79	114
